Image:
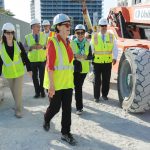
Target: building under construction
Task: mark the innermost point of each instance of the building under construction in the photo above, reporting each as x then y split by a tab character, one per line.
47	9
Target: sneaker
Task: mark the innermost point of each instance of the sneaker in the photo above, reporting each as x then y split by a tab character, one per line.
96	100
69	139
105	98
79	112
18	114
46	126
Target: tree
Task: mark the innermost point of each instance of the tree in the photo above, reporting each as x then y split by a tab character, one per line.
6	12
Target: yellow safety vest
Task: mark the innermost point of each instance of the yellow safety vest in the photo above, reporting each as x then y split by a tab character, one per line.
85	63
52	34
36	55
103	50
12	68
63	69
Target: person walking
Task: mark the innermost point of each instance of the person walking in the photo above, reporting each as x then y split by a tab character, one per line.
105	55
59	77
35	45
82	54
12	60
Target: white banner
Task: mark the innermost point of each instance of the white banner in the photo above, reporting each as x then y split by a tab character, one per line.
142	14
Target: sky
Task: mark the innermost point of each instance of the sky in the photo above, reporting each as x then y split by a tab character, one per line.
107	5
21	8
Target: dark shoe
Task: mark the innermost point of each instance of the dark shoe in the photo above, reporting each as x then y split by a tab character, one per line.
69	139
43	95
36	96
105	98
96	100
46	126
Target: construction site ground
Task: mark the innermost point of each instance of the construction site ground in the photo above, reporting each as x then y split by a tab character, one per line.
102	126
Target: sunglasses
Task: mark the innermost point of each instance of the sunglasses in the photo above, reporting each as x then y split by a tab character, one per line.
80	33
8	33
67	25
103	25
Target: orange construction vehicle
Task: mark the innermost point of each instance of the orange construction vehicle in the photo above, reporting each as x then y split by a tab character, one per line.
131	27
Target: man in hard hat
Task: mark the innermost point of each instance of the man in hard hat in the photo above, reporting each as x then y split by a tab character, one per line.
59	77
46	26
105	55
35	44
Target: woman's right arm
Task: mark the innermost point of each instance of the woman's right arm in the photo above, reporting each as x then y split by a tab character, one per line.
51	57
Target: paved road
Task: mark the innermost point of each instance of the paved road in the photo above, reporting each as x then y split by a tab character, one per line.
102	126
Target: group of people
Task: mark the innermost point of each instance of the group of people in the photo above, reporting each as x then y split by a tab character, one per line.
58	65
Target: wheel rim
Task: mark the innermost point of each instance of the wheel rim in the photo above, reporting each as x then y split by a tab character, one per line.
126	80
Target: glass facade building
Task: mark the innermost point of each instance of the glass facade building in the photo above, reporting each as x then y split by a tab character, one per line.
1	3
47	9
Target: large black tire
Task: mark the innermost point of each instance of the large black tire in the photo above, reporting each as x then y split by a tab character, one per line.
134	80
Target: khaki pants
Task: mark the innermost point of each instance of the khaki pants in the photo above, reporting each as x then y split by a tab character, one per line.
1	89
15	85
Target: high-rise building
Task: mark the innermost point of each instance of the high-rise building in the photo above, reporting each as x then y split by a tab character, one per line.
47	9
132	2
1	3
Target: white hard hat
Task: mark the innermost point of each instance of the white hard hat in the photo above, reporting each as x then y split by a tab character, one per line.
103	21
80	27
8	27
60	18
45	22
34	21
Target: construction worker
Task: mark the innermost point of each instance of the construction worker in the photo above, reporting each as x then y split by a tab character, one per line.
46	26
82	54
59	77
35	44
12	60
105	55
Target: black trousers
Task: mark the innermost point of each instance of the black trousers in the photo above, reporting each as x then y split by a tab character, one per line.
78	83
38	76
102	77
64	98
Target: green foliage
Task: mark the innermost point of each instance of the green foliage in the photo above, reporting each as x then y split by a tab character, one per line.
6	12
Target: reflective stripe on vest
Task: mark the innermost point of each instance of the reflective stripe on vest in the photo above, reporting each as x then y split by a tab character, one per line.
103	50
85	63
63	70
12	68
61	65
36	55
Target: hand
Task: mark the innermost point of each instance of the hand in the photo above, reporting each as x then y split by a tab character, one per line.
30	73
51	91
84	57
38	46
114	61
78	56
32	47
